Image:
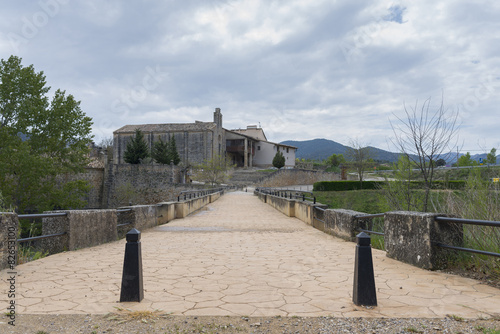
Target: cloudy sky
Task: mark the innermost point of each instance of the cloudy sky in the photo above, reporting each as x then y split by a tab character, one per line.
339	70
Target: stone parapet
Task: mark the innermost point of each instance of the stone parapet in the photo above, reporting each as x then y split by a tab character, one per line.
9	227
343	223
409	237
84	228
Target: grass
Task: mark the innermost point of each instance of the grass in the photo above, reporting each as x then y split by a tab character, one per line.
487	330
28	253
126	315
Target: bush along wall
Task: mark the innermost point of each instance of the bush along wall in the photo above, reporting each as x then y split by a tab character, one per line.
374	185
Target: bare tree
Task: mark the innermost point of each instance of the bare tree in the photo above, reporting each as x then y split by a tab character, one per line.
359	157
214	171
424	137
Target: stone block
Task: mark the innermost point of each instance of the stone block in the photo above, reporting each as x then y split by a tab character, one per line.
9	226
409	238
84	228
165	212
343	223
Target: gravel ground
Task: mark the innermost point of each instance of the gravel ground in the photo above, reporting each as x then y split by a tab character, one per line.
157	323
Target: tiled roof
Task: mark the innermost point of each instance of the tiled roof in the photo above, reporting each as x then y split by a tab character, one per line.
168	127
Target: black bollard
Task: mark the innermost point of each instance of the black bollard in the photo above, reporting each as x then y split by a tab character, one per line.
364	292
132	290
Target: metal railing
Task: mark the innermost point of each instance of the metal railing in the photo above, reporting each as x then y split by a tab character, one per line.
41	215
371	216
476	222
288	193
190	194
315	216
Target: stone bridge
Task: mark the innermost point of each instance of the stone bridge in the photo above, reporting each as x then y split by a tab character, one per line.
240	256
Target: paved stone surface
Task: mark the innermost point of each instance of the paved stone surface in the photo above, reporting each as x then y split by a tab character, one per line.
239	256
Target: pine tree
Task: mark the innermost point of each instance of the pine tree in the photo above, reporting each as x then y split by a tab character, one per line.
137	149
279	160
173	155
160	153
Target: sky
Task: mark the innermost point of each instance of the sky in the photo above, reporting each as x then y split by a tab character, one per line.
340	70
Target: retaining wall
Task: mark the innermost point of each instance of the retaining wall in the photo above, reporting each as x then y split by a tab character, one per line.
289	177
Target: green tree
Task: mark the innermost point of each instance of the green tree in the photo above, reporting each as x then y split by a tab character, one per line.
279	160
466	160
491	158
214	171
159	152
335	160
41	141
440	162
137	149
173	155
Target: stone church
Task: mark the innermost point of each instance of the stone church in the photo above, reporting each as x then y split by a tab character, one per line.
201	141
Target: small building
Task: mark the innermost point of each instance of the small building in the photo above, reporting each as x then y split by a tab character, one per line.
201	141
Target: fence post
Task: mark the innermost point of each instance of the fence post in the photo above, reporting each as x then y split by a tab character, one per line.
132	288
364	292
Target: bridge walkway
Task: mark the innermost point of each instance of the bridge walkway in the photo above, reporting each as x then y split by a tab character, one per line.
239	256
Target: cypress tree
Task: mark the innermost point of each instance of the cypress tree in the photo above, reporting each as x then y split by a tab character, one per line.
160	153
279	160
137	149
173	155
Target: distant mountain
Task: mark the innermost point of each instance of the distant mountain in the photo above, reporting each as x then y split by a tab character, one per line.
320	149
316	149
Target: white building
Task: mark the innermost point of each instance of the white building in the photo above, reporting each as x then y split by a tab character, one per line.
249	147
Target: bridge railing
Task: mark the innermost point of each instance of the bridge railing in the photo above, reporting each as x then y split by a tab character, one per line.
473	222
374	226
75	229
288	193
191	194
420	239
41	215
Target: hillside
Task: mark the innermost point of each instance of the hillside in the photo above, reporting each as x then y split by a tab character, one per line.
319	149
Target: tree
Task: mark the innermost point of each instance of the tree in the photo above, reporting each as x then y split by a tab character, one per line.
440	162
41	141
159	152
335	160
359	158
173	155
279	160
398	191
214	171
137	149
491	158
466	160
423	136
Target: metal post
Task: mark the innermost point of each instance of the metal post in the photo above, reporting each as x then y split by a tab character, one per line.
132	288
364	292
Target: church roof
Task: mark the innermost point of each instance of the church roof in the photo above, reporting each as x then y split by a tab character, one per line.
168	127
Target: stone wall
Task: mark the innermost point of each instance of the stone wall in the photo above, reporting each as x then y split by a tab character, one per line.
84	228
289	177
144	184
